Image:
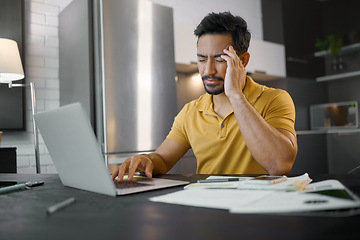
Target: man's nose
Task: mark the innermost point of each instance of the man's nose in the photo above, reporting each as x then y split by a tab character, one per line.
210	67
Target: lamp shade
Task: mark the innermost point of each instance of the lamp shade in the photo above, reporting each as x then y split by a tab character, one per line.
10	63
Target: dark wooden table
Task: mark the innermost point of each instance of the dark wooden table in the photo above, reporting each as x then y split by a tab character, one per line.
94	216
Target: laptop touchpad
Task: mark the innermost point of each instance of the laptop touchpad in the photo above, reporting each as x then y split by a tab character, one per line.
136	182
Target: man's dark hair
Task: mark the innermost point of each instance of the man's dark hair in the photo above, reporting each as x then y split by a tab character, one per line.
224	23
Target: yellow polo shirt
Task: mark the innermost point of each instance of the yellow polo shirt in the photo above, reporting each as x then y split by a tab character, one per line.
217	143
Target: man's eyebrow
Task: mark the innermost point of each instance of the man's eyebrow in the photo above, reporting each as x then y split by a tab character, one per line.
218	55
214	56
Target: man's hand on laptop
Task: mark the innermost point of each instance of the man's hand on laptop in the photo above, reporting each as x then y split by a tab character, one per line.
134	164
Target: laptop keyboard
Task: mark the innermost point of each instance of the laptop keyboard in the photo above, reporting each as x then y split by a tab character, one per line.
126	184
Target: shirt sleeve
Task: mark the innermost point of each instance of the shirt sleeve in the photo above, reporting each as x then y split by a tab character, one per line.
281	113
178	130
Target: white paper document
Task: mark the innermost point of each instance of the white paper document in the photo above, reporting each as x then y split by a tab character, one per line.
325	195
320	196
212	198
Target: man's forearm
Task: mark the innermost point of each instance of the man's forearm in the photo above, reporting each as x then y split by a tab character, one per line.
270	147
160	166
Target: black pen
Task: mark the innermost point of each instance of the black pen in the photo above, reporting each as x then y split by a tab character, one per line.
214	180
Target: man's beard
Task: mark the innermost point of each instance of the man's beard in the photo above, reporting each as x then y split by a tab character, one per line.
211	90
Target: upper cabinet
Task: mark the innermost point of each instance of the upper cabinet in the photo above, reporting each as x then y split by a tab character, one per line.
267	60
185	44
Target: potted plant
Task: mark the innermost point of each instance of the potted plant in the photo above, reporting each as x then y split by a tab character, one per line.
332	42
335	43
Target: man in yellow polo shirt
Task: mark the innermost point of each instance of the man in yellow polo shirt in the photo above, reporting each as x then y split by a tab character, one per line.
238	126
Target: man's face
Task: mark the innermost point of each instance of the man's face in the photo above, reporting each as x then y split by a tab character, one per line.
211	66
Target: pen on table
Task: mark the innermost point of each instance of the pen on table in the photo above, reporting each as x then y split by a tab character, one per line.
20	186
60	205
219	180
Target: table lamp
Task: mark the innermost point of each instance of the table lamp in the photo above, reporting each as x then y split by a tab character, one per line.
11	70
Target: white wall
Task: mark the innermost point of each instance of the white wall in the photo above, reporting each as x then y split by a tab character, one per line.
42	58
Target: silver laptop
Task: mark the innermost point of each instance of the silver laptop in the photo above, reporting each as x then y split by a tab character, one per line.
73	147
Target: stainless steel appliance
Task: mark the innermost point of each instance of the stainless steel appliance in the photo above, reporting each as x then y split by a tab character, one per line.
117	59
334	115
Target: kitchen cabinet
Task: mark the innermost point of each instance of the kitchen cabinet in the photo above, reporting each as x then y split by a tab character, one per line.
185	44
267	60
327	151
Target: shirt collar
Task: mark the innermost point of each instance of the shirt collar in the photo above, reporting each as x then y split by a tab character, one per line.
252	92
205	104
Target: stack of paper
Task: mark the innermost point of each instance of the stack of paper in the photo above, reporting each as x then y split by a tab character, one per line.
240	197
291	184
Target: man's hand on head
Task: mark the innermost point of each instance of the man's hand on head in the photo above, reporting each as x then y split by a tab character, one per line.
235	77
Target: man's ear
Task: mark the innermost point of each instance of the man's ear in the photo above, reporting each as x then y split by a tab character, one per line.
245	57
